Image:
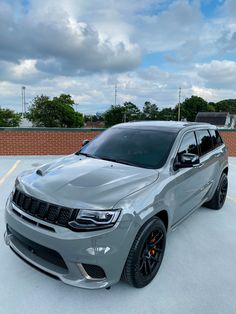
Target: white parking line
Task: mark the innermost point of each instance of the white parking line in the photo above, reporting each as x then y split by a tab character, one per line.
9	172
231	198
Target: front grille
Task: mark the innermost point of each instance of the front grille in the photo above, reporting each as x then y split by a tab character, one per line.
39	250
52	213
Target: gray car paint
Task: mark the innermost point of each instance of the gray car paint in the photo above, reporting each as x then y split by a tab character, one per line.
73	180
82	182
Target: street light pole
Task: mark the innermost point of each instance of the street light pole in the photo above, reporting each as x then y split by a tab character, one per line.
23	100
179	104
115	94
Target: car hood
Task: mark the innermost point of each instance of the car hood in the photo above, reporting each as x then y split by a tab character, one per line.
82	182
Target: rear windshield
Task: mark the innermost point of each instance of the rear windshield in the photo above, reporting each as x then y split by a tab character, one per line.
141	148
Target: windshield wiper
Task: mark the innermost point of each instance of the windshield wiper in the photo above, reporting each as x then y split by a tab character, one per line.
85	154
120	161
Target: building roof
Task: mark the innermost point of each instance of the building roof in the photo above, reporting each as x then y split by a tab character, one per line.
216	118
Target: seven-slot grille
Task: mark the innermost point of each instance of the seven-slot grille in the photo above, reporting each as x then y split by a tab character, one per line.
52	213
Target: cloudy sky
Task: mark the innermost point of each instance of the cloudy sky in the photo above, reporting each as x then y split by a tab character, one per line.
149	48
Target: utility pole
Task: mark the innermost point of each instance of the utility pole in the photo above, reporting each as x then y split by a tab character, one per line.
23	100
179	104
115	93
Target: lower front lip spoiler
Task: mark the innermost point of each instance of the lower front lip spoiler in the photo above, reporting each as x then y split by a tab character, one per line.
82	283
7	239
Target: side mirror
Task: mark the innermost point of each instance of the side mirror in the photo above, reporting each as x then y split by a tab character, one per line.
85	142
186	160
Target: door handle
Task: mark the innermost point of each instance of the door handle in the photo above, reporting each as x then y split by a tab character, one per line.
217	155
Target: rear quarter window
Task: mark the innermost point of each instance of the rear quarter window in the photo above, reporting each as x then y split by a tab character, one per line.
204	140
216	138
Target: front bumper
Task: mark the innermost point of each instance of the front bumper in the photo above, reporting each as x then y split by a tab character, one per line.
107	248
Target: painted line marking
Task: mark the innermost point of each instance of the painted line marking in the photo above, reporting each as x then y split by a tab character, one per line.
9	172
231	198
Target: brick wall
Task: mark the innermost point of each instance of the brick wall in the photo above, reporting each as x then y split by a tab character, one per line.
229	138
15	141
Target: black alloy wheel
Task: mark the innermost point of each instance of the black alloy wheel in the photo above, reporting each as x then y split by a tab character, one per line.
151	253
223	191
146	254
220	194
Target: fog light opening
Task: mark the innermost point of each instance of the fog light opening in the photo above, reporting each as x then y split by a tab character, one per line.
92	272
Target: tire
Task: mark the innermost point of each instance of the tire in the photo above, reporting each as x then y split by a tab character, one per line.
220	194
146	254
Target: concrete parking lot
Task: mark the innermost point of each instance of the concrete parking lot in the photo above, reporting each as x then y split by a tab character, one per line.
198	274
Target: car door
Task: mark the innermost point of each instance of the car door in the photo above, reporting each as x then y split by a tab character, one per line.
218	153
189	182
209	158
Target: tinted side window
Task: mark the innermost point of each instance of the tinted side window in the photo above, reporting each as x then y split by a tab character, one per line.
204	141
188	144
216	138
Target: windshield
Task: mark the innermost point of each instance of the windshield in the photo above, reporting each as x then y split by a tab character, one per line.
141	148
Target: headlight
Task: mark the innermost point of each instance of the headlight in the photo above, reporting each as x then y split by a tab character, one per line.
94	219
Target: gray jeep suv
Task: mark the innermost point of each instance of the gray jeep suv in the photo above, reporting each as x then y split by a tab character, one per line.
103	213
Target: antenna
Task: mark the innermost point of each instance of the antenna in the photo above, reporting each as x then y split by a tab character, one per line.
179	104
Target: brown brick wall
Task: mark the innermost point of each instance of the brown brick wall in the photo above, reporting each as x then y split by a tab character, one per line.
33	142
62	142
229	138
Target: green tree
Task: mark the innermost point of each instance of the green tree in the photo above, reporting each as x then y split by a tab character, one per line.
122	113
64	99
9	118
150	111
114	115
58	112
211	106
168	114
131	112
227	105
191	106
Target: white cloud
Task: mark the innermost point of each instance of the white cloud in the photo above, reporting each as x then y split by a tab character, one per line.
165	79
25	67
86	47
208	94
172	28
211	94
96	93
62	44
23	72
229	9
218	74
